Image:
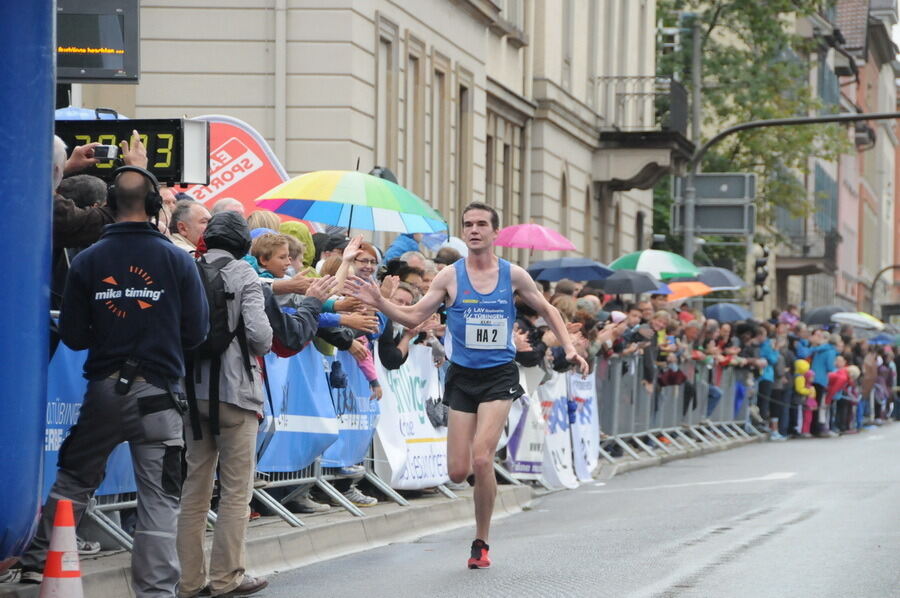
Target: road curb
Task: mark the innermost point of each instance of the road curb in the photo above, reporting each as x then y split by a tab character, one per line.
606	470
274	547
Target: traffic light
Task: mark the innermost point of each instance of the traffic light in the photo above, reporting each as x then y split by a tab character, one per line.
761	266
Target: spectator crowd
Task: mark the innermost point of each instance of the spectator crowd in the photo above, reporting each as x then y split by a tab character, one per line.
287	289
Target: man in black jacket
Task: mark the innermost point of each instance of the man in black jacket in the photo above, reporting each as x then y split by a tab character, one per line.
135	302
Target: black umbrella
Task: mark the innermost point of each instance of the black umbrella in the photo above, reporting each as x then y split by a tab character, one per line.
821	316
626	281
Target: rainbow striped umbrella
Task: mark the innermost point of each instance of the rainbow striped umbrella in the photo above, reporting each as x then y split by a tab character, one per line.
351	199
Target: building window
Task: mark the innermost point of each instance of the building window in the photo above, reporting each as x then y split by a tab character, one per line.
603	197
617	226
414	126
464	139
386	94
588	223
440	127
508	184
568	25
592	54
564	207
490	160
639	231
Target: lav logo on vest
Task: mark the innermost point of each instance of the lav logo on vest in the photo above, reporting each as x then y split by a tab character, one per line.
137	290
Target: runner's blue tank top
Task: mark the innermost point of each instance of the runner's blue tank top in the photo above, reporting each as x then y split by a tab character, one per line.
481	325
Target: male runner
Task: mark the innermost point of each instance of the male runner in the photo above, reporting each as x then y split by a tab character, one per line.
483	378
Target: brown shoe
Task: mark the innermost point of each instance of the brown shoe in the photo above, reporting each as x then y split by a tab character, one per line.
250	585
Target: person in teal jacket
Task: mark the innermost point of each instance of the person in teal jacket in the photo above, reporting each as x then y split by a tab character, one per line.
821	358
768	353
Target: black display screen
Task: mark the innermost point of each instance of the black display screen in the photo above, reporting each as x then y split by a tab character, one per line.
161	137
97	41
90	41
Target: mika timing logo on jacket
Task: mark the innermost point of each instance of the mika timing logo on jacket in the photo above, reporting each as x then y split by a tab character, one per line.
119	299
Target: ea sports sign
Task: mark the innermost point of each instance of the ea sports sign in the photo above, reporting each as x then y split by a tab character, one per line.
241	164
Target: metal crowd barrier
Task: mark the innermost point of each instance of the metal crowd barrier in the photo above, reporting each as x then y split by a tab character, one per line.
640	420
637	421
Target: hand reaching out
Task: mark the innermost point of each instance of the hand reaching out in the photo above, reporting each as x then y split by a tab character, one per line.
321	288
389	285
357	350
366	291
349	304
361	322
520	339
352	249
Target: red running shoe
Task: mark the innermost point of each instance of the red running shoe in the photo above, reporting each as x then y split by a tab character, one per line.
479	558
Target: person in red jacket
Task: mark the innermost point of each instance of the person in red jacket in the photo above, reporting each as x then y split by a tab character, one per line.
838	381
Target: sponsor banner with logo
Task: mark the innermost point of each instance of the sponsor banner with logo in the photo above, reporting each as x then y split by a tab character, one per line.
586	427
558	471
65	393
241	164
356	415
525	450
305	421
411	440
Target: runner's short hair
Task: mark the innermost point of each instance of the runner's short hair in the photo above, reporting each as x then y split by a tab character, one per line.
477	205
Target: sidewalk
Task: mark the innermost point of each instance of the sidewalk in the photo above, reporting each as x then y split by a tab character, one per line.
272	545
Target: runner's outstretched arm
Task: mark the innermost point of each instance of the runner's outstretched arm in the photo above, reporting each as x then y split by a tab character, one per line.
524	285
412	315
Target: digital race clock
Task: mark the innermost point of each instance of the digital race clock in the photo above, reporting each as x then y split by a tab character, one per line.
177	148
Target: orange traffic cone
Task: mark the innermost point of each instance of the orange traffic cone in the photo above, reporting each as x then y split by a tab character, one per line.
62	573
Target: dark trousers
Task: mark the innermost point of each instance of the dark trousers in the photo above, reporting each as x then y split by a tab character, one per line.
155	439
764	398
816	427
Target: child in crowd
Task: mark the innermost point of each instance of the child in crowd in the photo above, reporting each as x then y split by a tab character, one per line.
803	387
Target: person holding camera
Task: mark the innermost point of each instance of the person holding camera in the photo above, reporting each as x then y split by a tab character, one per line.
135	302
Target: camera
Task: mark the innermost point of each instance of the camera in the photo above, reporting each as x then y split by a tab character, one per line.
106	153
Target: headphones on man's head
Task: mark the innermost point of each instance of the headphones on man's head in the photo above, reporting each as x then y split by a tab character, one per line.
152	203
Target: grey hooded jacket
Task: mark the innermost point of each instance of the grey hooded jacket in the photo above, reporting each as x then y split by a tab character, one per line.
234	386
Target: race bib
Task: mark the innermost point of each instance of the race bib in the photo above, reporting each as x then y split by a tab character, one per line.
486	333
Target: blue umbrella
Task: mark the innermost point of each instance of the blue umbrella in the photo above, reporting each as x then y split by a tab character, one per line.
882	339
573	268
727	312
73	113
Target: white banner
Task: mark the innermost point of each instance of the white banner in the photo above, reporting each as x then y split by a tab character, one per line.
525	450
586	429
410	452
558	471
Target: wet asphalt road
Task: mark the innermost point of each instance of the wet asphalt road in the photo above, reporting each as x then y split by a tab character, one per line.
815	518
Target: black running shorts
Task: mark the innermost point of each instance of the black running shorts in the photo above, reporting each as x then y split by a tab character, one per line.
466	388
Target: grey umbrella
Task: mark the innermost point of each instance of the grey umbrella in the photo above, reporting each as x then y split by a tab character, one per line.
627	282
718	279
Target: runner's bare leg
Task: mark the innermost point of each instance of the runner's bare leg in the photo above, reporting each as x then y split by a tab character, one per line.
491	419
460	433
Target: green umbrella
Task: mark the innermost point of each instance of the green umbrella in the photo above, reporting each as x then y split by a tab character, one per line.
660	264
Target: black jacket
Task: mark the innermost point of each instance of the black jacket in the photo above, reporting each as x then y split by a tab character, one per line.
133	294
390	355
